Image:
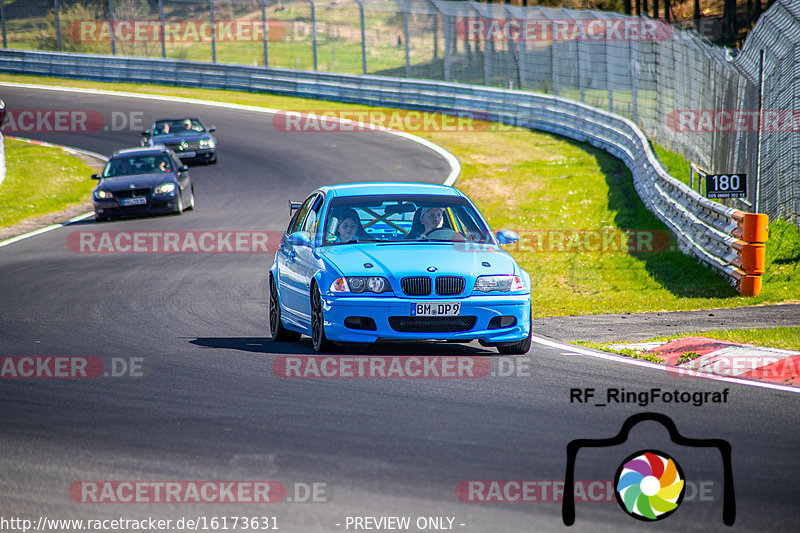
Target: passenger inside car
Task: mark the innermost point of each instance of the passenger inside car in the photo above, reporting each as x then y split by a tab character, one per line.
349	227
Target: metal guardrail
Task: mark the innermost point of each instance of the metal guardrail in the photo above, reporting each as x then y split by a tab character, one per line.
726	239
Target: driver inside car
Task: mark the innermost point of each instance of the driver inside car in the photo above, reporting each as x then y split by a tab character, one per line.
430	219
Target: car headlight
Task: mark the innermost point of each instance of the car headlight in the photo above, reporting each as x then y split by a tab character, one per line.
164	188
359	284
103	195
504	283
207	143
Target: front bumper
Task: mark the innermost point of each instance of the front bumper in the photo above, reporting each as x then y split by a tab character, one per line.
154	206
205	154
336	309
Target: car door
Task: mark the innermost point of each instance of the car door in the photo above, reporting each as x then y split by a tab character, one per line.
306	262
290	277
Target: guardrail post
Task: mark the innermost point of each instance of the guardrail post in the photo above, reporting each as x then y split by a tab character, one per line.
486	72
447	37
264	31
363	37
553	57
3	21
760	121
111	21
58	24
578	70
213	33
608	79
634	55
313	33
405	42
162	30
521	52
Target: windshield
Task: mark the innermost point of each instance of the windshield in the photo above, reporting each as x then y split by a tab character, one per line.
172	127
398	218
137	164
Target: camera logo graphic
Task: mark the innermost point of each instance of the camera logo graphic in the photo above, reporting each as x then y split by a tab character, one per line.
649	484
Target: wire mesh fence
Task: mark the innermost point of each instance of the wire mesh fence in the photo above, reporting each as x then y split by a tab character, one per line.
687	95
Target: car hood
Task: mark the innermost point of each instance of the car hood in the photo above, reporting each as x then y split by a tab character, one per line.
397	260
137	180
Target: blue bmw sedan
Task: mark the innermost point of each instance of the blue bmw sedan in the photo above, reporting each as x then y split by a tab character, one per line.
366	262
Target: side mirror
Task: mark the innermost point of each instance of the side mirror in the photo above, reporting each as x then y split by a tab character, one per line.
183	168
507	236
300	238
146	133
212	129
96	177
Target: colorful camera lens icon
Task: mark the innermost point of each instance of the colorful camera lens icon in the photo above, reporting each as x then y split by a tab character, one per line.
649	485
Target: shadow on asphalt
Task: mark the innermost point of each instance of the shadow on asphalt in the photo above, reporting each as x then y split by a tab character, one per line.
267	346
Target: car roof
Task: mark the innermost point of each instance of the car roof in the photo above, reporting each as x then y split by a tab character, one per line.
176	119
389	187
141	150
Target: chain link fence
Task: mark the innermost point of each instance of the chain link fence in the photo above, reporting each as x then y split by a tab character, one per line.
687	95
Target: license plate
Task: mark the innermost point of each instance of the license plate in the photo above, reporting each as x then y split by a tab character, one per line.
134	201
186	154
436	309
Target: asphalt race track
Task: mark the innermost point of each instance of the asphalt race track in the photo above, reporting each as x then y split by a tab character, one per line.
208	405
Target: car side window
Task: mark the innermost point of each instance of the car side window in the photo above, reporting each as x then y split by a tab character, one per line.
300	215
311	221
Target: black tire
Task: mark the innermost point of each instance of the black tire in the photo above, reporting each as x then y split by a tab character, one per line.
179	210
100	219
191	201
213	161
276	329
318	338
518	348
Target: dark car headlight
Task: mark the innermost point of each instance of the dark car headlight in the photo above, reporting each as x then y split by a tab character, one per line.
504	283
359	284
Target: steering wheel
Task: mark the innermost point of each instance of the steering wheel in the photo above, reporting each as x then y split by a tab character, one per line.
445	234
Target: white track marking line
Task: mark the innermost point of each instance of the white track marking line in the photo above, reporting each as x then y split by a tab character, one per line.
68	149
656	366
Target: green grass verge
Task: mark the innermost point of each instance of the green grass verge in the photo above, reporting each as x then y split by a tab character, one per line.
40	180
785	338
534	182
